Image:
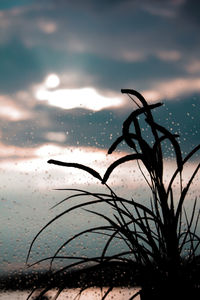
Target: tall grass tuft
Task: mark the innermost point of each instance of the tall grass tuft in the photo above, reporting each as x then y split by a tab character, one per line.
161	238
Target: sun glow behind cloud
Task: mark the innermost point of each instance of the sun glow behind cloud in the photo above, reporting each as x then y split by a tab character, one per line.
65	98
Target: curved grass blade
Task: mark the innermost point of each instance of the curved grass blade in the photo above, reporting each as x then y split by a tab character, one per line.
118	162
120	139
109	201
68	198
136	94
197	148
185	191
56	218
107	292
115	144
82	258
122	229
189	224
77	235
149	233
84	193
172	139
75	165
135	295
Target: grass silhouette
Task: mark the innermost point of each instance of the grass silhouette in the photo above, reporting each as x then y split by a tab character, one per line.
156	235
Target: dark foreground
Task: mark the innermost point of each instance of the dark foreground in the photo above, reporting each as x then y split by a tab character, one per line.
113	274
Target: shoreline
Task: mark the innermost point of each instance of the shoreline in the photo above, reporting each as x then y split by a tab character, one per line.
113	274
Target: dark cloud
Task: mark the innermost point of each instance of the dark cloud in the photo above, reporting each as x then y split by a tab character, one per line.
191	11
116	74
19	67
97	44
94	45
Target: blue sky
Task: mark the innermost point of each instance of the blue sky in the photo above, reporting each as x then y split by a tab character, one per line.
62	66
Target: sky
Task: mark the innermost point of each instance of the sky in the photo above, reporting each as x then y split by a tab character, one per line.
62	66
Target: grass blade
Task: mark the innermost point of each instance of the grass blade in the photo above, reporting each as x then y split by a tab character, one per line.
118	162
75	165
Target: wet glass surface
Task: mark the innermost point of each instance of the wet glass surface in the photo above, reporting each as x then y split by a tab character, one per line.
62	68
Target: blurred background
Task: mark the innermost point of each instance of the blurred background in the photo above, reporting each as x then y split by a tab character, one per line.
62	66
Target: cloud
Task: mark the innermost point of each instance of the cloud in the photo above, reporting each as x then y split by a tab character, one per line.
56	136
193	66
166	9
131	56
169	55
107	50
79	40
81	127
47	26
11	152
11	111
29	160
126	176
173	89
191	12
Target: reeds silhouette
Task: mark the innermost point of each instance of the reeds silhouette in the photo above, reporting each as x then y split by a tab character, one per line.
155	235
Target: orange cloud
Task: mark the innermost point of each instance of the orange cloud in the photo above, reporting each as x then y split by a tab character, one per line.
10	111
8	152
169	55
126	177
193	67
172	89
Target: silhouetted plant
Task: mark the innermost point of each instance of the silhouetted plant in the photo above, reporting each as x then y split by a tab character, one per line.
155	234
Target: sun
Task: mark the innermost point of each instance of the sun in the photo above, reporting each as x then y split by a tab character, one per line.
52	81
